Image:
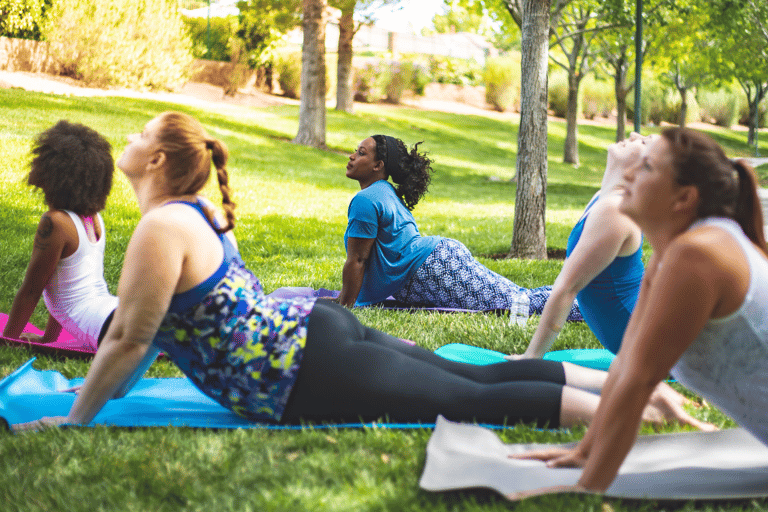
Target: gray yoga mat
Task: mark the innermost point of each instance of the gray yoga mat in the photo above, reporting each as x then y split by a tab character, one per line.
728	464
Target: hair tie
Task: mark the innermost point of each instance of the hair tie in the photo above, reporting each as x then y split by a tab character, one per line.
738	168
392	159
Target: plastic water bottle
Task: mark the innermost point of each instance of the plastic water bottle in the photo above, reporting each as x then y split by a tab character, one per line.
518	311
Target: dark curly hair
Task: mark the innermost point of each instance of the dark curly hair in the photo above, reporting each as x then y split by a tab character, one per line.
73	165
410	170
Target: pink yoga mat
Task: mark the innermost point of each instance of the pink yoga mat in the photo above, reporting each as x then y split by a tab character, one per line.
65	345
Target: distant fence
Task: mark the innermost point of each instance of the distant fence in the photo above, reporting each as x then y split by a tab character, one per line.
461	45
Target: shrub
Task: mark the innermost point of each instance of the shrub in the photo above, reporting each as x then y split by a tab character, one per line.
558	93
288	68
598	98
135	43
399	78
652	102
420	79
720	107
502	82
450	70
762	113
370	82
671	102
223	37
22	19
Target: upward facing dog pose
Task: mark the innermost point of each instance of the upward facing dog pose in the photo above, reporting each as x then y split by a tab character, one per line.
184	290
603	267
386	255
702	312
73	167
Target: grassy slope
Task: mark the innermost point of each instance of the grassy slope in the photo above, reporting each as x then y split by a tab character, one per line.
292	211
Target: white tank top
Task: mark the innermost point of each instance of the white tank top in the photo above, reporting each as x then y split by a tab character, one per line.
77	295
728	362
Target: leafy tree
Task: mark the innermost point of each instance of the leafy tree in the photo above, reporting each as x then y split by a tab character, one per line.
348	27
739	29
574	33
23	18
313	89
616	55
263	23
687	56
458	18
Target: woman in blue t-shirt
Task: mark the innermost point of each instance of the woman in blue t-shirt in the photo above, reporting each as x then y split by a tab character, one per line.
386	255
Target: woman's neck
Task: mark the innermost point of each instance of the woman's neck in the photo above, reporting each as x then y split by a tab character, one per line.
150	194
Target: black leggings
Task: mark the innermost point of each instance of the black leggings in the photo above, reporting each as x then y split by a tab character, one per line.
351	373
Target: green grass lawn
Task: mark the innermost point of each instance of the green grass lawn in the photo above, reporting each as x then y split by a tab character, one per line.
292	205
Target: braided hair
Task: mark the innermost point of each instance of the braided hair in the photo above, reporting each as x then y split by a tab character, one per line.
190	151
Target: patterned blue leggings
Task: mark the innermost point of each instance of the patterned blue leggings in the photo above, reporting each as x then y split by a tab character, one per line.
451	277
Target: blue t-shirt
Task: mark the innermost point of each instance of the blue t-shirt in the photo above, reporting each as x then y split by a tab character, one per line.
399	249
606	303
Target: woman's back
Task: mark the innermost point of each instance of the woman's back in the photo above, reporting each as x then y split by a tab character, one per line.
728	361
607	301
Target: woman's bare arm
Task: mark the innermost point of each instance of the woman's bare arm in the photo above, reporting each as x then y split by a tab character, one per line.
358	252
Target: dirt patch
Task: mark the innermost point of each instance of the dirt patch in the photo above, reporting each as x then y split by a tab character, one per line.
553	253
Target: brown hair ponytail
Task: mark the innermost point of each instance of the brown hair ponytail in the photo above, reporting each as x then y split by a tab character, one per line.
189	152
749	210
726	189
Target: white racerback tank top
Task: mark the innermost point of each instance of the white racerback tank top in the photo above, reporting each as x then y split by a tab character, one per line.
728	362
77	295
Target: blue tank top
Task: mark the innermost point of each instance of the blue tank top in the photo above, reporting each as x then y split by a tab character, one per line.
608	300
182	301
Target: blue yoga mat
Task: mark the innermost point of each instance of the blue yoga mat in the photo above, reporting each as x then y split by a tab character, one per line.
28	394
599	359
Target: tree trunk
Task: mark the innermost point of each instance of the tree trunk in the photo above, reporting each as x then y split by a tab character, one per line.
683	106
312	107
344	68
620	91
529	236
754	104
571	148
752	121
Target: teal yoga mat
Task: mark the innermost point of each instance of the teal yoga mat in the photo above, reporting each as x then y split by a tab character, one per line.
599	359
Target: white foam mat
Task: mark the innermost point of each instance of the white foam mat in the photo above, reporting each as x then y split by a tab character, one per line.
728	464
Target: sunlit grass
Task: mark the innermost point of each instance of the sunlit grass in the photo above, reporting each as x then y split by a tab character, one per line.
292	204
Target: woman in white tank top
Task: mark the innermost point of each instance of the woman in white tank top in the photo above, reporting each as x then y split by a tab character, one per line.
702	313
72	164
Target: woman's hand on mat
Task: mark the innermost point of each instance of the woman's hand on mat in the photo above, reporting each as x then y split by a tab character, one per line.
556	457
555	489
516	357
41	424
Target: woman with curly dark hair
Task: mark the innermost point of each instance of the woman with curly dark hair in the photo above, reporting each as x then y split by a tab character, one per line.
72	165
386	255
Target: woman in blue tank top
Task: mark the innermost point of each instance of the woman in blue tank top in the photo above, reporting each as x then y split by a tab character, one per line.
603	268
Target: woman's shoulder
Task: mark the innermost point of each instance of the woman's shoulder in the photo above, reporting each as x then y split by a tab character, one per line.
705	246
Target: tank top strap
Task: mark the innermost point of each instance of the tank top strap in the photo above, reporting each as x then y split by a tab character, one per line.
230	252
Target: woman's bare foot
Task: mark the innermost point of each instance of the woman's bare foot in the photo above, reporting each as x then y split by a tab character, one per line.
666	405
